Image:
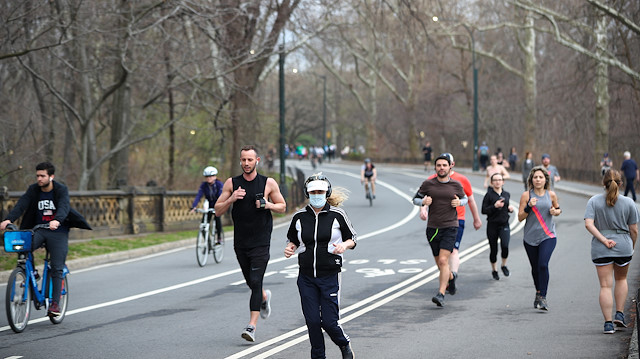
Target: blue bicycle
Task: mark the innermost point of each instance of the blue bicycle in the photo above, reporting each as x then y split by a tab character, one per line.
23	287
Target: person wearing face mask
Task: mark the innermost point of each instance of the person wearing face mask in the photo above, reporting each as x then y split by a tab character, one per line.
321	232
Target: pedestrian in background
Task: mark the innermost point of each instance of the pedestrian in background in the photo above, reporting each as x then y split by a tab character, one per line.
612	220
513	158
483	155
494	167
495	205
554	175
538	205
631	174
427	151
527	165
323	232
605	164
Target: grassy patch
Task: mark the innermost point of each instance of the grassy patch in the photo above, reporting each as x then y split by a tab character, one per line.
80	249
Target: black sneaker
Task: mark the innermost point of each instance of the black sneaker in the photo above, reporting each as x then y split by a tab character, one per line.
347	352
438	299
536	302
452	283
495	275
505	271
54	310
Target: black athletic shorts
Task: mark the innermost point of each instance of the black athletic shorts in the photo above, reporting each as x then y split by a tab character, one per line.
442	238
619	261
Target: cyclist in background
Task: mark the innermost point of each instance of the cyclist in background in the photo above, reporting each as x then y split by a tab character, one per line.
45	202
368	175
211	189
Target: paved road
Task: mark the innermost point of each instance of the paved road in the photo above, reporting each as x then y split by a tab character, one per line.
166	306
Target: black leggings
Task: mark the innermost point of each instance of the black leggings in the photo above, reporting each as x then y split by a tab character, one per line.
495	230
218	223
253	262
57	243
629	187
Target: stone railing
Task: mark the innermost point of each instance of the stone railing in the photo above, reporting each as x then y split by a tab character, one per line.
137	210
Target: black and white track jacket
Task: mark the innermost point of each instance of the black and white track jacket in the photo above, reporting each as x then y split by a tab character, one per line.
315	235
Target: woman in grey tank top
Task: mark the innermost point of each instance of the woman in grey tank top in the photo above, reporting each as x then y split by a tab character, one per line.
612	220
538	205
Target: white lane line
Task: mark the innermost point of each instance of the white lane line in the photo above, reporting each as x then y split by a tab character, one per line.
379	299
376	301
410	216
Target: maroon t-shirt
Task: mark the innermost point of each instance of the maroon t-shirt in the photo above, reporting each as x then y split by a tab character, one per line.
441	214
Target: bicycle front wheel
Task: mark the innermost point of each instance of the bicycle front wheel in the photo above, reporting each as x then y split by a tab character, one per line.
218	249
18	300
64	300
202	248
370	195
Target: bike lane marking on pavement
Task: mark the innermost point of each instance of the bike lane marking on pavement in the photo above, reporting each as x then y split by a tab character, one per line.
410	216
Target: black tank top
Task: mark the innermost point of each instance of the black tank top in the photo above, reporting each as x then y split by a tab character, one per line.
251	226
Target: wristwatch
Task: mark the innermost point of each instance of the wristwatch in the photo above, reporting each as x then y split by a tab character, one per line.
263	203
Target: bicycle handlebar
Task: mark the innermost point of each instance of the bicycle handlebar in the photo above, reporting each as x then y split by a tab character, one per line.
13	227
210	210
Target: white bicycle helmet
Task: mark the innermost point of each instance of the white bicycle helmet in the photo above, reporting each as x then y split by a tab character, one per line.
210	171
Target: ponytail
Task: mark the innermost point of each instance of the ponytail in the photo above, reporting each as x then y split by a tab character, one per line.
612	182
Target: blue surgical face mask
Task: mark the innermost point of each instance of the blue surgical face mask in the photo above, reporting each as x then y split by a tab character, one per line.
317	200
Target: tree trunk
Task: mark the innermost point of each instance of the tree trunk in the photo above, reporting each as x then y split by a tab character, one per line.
119	163
601	89
530	90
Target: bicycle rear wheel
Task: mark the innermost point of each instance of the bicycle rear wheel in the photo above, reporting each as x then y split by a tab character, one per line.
18	300
64	300
218	249
202	248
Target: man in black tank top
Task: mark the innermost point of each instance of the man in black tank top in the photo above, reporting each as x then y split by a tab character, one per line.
253	197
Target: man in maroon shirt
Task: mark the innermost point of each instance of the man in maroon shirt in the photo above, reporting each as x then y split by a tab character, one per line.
442	195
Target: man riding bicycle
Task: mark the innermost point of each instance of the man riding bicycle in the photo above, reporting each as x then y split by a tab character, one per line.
368	176
44	202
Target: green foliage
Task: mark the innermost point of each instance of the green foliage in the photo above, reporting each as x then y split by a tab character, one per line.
307	140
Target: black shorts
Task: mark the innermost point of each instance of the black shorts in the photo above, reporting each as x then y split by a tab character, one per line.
442	238
619	261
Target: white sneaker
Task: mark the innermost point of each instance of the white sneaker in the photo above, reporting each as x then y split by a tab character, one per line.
249	333
265	308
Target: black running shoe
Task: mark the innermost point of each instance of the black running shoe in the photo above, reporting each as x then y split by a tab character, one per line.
438	299
452	283
347	352
505	271
495	275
